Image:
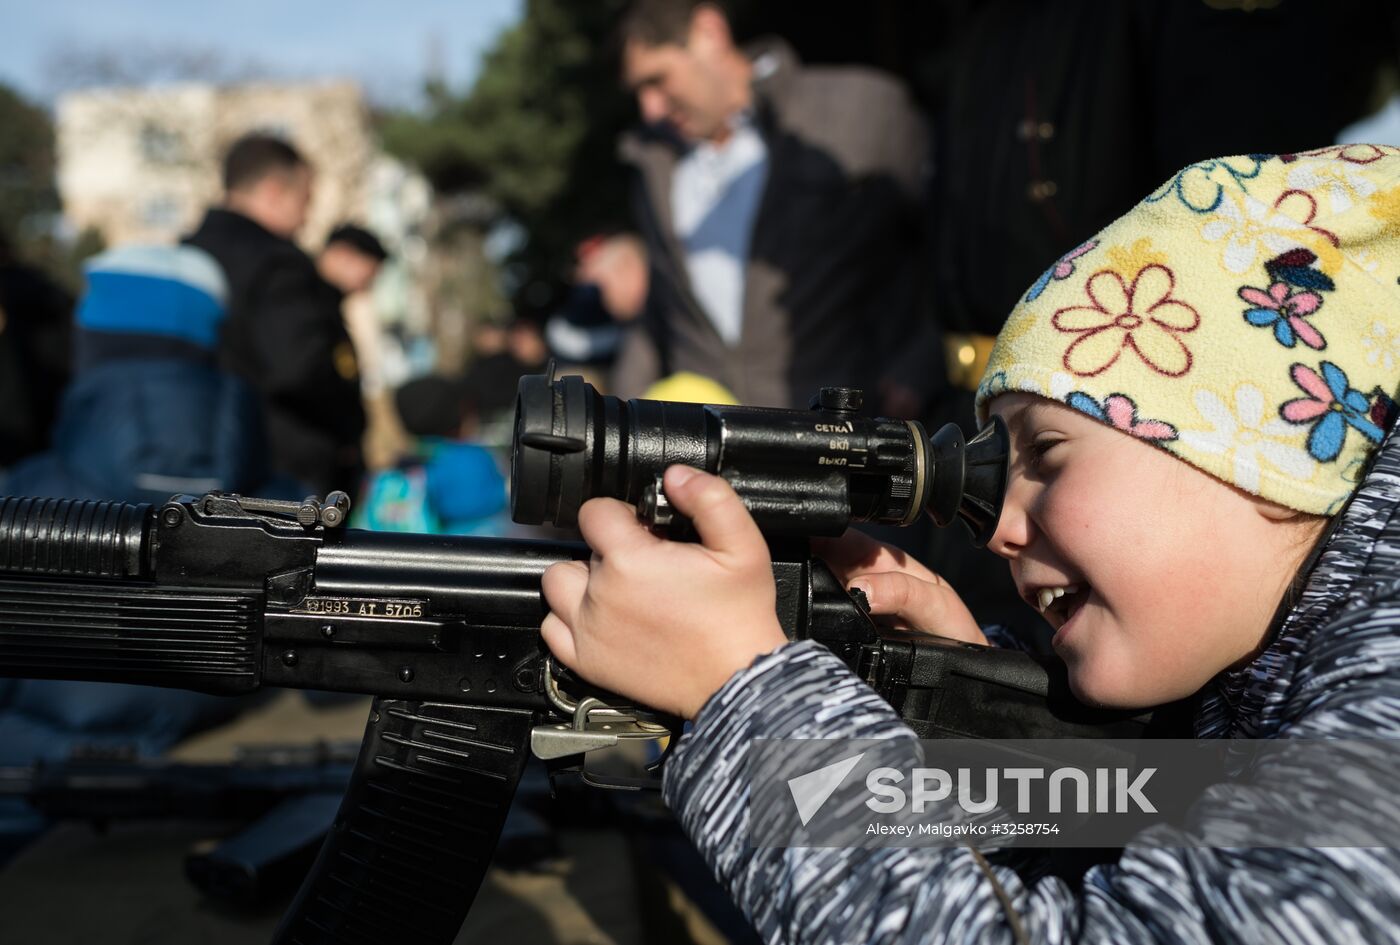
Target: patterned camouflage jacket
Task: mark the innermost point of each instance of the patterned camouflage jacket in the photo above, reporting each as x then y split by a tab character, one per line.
1332	670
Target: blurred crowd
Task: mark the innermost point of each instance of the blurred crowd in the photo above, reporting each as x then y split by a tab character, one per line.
795	226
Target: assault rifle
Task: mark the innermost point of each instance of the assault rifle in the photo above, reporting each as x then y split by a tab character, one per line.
229	594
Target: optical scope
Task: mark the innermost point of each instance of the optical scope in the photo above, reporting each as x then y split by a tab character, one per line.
799	472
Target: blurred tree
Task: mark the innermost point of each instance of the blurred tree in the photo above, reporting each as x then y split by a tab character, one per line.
29	202
28	198
537	134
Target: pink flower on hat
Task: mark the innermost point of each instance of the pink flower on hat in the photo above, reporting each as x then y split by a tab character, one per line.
1331	406
1118	410
1142	317
1285	313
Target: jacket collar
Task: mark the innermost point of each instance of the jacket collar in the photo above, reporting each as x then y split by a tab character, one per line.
775	67
221	218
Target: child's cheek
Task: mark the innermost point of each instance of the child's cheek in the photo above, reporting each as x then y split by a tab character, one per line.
1086	519
1116	526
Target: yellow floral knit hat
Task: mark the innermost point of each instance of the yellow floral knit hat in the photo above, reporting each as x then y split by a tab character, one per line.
1245	317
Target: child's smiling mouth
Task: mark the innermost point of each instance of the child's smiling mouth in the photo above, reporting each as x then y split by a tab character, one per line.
1047	596
1059	604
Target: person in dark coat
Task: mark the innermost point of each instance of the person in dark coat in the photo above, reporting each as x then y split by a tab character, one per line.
782	208
284	332
36	318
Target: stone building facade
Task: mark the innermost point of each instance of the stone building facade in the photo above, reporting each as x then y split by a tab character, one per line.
141	165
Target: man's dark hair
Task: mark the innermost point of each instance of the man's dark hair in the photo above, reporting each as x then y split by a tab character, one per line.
658	22
358	239
434	405
252	157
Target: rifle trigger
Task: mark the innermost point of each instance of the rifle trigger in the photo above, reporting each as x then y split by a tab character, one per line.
595	725
559	741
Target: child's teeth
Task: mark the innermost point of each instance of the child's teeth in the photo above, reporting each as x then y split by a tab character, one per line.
1048	595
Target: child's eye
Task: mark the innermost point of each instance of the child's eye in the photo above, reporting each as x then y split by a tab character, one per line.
1040	448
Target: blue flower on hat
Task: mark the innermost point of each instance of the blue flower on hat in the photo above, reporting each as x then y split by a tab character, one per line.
1331	406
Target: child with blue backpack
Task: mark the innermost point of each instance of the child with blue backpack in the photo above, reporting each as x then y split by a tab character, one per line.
446	484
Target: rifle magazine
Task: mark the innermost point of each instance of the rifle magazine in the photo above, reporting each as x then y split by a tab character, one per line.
417	827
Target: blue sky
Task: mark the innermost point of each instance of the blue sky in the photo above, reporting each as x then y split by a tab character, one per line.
385	45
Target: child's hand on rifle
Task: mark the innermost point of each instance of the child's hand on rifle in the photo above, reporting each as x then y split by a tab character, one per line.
664	622
904	592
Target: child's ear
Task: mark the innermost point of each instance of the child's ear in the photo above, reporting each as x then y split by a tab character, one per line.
1308	525
1278	513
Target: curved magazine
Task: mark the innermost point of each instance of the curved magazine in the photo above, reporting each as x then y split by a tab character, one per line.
416	829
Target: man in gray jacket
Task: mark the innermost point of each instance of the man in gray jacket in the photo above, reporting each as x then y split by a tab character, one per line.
781	207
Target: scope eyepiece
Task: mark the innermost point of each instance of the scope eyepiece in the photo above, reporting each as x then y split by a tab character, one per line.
799	472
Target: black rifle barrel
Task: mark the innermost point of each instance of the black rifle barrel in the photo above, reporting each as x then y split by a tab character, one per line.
73	537
107	620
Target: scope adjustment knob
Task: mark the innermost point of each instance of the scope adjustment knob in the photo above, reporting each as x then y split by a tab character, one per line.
841	399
